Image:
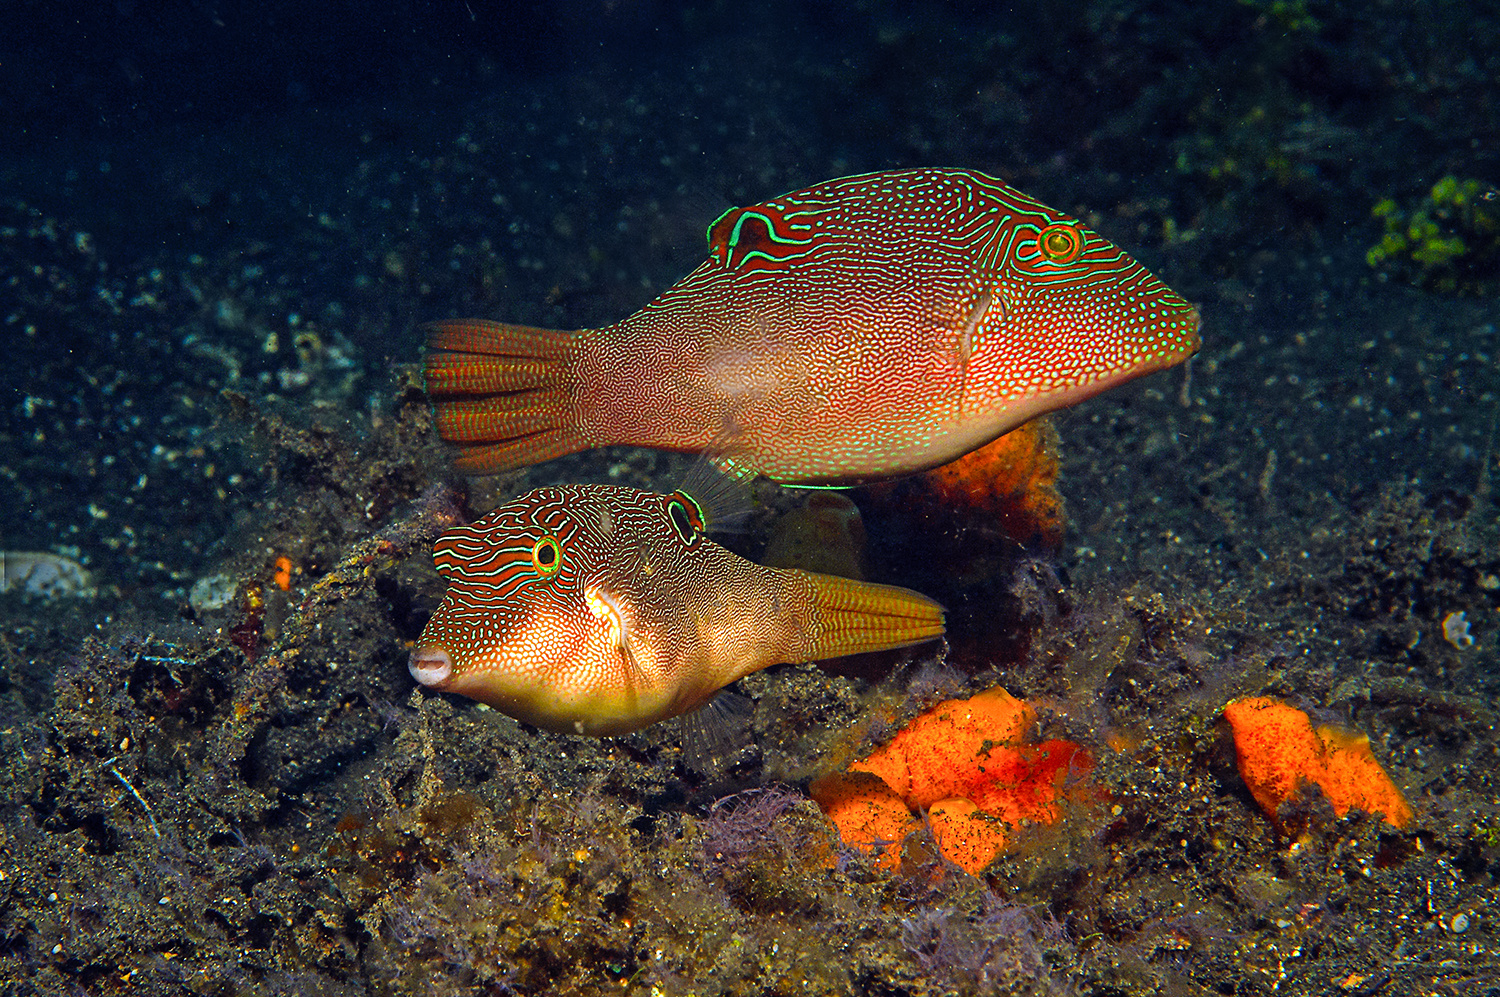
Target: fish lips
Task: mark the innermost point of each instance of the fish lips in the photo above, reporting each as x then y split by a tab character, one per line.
430	665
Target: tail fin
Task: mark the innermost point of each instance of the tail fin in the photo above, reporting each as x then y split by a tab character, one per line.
501	393
861	616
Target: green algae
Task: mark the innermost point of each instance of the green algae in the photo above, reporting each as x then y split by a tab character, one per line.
1449	241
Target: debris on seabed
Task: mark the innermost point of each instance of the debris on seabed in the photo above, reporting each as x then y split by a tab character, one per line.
43	575
1456	631
212	592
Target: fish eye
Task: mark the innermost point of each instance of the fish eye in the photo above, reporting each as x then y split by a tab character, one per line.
1060	243
546	556
686	516
718	235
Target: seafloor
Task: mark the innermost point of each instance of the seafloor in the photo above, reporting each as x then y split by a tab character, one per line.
212	785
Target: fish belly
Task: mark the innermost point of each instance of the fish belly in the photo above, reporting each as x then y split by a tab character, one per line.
826	398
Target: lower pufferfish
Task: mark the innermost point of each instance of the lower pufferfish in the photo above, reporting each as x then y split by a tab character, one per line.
594	609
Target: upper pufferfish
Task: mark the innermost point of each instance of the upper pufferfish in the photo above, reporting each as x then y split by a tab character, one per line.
863	328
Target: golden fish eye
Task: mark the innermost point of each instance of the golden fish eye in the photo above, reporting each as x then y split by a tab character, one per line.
546	556
1060	243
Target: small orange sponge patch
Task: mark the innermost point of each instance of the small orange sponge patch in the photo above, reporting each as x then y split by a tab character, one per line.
1011	481
1279	751
283	575
967	763
1015	477
868	815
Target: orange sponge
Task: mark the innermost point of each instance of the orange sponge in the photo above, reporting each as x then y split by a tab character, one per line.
968	764
1011	483
1279	751
946	751
966	835
868	815
1015	477
1031	781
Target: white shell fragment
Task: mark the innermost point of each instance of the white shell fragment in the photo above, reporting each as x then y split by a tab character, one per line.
1456	631
43	575
212	592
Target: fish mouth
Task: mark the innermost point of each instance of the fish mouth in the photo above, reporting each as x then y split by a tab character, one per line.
1196	319
1188	341
430	665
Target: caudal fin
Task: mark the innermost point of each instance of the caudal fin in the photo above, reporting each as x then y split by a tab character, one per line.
501	393
855	617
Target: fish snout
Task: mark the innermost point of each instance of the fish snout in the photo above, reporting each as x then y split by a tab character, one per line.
430	665
1195	326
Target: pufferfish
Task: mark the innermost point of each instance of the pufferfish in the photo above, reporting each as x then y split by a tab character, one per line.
595	609
863	328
